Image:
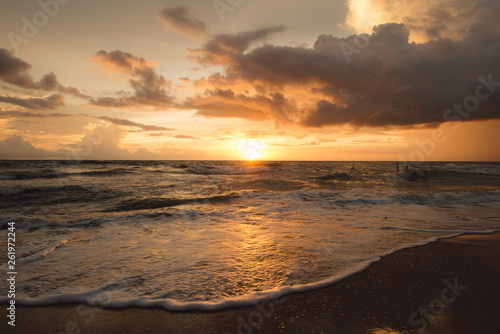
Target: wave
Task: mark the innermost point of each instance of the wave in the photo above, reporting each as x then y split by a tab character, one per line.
117	299
225	170
34	190
52	174
30	175
50	194
269	184
42	253
87	296
334	177
33	224
116	171
7	191
423	174
443	198
157	203
483	169
468	197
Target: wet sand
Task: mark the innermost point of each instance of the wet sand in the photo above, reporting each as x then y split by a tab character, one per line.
450	286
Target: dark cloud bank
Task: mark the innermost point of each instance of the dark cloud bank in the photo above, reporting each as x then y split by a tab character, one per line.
375	80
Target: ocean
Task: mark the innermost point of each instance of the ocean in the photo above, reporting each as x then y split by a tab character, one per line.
206	235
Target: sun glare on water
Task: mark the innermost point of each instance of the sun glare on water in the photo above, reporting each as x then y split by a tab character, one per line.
251	149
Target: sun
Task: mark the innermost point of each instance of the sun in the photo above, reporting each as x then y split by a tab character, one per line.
251	149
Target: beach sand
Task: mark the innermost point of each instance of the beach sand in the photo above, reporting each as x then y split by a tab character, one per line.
456	280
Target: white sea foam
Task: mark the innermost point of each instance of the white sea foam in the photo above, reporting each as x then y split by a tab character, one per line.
42	253
137	241
107	297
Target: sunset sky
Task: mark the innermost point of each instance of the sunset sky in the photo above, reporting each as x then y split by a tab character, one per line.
240	79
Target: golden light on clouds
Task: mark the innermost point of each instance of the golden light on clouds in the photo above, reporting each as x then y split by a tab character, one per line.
201	88
363	16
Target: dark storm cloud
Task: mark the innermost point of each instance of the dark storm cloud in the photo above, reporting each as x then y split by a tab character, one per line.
35	103
366	80
15	71
150	88
125	122
180	20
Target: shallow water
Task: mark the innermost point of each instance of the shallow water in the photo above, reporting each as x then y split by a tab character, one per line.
207	235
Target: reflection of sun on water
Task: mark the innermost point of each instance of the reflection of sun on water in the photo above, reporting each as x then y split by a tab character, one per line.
251	149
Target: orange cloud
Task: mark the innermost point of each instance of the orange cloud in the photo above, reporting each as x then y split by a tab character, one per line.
387	81
150	89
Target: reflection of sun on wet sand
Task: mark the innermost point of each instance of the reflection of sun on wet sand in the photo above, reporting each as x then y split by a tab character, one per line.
405	291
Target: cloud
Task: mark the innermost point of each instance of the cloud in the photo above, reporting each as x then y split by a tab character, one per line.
226	47
227	104
388	81
15	147
15	71
35	103
426	19
126	122
184	137
28	114
102	143
180	20
150	88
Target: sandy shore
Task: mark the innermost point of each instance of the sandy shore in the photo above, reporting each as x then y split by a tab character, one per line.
451	286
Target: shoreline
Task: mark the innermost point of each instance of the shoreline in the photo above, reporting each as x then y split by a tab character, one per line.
451	285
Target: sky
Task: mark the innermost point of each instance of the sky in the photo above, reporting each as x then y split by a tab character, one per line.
390	80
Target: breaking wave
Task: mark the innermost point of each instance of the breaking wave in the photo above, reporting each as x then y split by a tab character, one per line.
335	177
158	203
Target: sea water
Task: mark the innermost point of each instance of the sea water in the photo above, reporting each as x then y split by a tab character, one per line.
204	235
